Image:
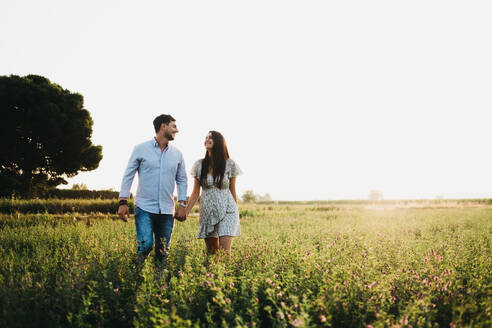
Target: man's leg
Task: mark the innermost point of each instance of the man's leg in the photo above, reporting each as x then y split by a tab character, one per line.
143	223
163	229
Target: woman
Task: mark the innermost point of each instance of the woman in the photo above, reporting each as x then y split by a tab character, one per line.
216	175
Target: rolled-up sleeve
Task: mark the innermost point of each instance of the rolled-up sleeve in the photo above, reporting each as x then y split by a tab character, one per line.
181	179
129	174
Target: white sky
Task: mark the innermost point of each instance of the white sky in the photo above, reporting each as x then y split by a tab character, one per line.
316	99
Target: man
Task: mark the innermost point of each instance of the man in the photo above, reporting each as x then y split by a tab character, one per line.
159	166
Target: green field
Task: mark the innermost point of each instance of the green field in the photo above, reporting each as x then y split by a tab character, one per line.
302	265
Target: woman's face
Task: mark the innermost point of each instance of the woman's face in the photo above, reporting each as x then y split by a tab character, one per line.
209	142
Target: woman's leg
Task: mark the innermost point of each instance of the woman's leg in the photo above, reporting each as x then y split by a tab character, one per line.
225	243
212	244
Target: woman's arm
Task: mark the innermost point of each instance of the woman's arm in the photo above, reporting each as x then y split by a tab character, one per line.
194	197
232	188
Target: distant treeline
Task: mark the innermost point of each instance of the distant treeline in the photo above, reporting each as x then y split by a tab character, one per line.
483	201
60	206
77	194
63	206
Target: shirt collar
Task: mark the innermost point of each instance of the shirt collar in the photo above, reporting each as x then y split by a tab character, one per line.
156	144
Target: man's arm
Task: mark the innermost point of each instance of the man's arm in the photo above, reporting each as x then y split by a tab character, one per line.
126	184
182	183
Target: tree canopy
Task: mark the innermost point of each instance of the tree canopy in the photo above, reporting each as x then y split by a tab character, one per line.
249	196
45	135
375	195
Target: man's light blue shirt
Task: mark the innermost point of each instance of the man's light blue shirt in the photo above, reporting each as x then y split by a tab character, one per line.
158	171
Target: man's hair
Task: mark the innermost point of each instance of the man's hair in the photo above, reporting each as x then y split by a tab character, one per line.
164	118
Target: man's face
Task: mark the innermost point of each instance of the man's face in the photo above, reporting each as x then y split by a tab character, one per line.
170	130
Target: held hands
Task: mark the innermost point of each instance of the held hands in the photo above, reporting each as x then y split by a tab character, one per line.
180	214
123	212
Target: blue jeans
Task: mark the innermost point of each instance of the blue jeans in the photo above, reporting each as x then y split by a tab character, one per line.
148	225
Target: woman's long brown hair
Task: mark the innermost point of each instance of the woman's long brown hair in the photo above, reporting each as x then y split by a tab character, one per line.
217	160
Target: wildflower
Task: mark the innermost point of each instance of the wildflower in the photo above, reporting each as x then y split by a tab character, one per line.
322	318
280	315
228	300
297	322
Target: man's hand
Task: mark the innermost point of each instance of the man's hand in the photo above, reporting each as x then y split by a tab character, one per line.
180	214
123	212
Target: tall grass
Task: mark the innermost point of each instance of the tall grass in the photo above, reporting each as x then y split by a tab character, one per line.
294	265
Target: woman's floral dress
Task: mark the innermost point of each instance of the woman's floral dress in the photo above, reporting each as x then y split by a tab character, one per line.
219	215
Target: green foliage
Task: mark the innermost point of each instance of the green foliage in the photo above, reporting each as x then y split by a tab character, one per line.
294	265
60	206
46	134
80	193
